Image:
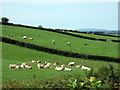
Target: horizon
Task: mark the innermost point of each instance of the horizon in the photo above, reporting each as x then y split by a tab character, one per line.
70	15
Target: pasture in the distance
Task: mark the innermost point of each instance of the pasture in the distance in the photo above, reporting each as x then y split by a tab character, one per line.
97	36
12	54
44	38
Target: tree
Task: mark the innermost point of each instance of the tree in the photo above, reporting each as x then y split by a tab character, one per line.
40	26
4	20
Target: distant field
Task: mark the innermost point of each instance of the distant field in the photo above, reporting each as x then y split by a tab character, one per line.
12	54
44	38
97	36
115	34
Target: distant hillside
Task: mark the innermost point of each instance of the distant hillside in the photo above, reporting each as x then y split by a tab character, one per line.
100	30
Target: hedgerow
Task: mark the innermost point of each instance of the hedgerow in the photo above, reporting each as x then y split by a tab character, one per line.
58	52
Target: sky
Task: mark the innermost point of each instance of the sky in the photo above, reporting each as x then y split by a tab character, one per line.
64	14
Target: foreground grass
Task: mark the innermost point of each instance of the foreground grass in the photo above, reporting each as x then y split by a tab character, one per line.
44	38
12	54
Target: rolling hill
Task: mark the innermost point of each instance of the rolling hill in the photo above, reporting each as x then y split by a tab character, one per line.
44	38
14	54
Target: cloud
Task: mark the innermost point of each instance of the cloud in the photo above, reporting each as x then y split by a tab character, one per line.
59	1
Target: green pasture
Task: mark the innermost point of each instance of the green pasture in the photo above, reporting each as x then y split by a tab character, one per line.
12	54
44	38
115	34
96	36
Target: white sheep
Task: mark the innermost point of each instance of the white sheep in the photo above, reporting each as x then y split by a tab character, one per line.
31	38
23	65
24	37
12	66
53	41
68	43
38	61
47	66
68	69
78	66
28	67
10	35
40	65
63	66
89	69
33	61
18	67
71	63
59	68
85	68
56	63
46	63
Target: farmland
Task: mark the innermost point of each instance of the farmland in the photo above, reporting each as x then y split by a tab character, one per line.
12	54
44	38
16	55
97	36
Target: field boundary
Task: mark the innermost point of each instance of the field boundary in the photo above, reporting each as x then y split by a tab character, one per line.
59	31
58	52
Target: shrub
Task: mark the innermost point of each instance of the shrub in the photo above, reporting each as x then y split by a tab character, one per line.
4	20
86	83
40	26
109	75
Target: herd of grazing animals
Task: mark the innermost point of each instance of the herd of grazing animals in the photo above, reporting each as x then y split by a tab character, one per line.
48	65
53	41
24	37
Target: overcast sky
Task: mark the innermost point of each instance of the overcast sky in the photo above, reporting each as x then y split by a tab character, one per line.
67	14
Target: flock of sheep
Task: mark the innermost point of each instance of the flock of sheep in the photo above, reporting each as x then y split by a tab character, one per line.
53	42
48	65
25	37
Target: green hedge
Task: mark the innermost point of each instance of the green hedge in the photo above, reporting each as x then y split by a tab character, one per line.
58	52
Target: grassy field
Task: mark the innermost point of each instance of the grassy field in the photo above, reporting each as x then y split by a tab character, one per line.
96	36
44	38
12	54
115	34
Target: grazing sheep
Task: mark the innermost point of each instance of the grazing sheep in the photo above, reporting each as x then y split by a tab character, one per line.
67	69
18	67
10	35
24	37
38	61
31	38
56	63
33	61
68	43
89	69
47	66
85	68
12	66
46	63
63	66
71	63
78	66
59	68
23	65
28	67
53	42
40	65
